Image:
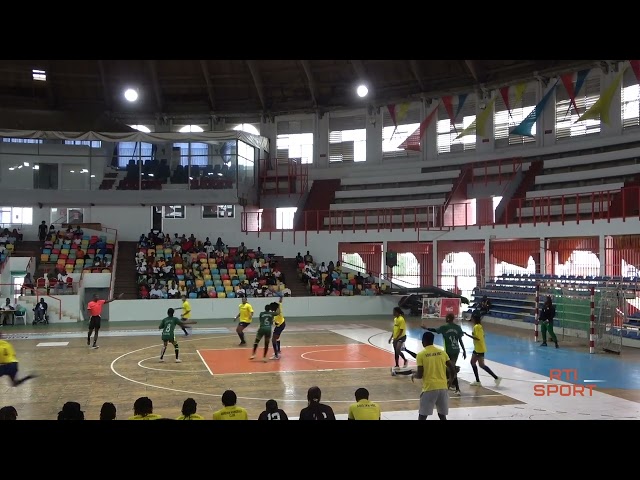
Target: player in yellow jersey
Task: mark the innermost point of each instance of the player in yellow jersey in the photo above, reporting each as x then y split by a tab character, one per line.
143	410
479	350
246	317
278	321
186	313
398	337
9	363
230	411
363	409
433	363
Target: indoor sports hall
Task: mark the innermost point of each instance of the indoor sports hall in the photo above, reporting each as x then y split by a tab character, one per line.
339	190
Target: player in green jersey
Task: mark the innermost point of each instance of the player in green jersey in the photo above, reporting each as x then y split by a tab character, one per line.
168	326
264	330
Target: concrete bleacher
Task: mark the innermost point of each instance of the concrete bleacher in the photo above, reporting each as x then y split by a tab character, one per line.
513	297
62	253
581	184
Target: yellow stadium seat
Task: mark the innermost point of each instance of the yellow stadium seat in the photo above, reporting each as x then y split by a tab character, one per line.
232	271
207	277
226	283
222	295
199	283
240	271
228	288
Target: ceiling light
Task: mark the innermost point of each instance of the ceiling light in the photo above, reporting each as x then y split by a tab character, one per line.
93	176
131	95
12	168
362	91
72	171
26	164
36	167
141	128
39	75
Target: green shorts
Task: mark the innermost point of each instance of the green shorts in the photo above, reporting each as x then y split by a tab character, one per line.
168	338
263	332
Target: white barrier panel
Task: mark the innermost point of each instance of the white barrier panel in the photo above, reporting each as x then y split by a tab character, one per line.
156	310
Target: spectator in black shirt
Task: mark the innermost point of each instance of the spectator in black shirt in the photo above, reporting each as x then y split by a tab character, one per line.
316	410
272	412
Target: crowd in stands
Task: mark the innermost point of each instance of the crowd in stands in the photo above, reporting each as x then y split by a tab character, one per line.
71	251
329	279
361	409
8	241
172	267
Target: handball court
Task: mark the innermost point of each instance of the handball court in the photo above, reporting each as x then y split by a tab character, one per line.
337	354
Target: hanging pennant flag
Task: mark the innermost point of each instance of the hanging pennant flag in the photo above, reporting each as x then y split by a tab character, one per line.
504	93
447	101
414	141
527	124
461	99
479	125
392	114
519	89
635	65
602	107
581	77
567	81
402	111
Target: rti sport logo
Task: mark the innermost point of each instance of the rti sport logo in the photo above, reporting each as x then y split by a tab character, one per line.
572	390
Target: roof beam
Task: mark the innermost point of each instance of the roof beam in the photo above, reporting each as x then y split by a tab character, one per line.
257	81
153	70
207	79
415	70
311	80
51	93
476	70
105	84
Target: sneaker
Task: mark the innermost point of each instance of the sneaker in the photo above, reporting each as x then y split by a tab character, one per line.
162	360
457	393
557	346
476	384
265	359
393	372
498	380
406	363
242	343
95	347
178	360
543	344
252	357
275	357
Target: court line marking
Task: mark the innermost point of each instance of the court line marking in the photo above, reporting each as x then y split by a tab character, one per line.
302	355
205	363
216	395
248	347
167	369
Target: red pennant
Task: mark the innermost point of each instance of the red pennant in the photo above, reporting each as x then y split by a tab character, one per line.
567	81
504	92
392	113
414	141
448	105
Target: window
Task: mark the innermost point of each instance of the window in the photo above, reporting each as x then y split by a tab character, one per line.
284	218
448	131
630	100
347	139
175	211
247	128
88	143
22	140
133	151
197	152
503	122
246	154
218	211
566	116
393	137
295	140
16	216
39	75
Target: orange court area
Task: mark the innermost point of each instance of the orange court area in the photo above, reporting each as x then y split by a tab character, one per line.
296	359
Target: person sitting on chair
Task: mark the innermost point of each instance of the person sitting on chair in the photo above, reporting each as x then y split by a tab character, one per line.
40	312
8	313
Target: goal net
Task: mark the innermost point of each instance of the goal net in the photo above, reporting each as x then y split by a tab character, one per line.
611	313
586	315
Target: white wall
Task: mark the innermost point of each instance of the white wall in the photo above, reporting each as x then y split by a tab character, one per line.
227	308
97	280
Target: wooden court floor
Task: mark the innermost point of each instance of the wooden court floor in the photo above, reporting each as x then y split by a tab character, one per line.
126	366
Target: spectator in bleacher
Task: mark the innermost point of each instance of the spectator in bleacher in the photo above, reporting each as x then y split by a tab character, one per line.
27	284
219	244
323	268
172	289
359	279
299	259
370	278
242	249
17	234
62	281
42	231
308	258
259	253
156	292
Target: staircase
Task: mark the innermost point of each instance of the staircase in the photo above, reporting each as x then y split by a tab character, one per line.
53	310
33	249
289	269
526	184
126	281
321	196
